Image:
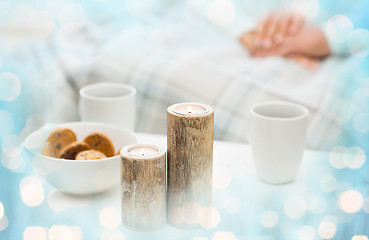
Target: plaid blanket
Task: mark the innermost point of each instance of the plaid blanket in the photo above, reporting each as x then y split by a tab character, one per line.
182	57
187	59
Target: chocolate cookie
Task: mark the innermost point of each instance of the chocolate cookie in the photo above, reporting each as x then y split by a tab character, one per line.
57	140
71	151
90	155
100	142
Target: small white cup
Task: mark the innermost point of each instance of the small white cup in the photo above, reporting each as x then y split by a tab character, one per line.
108	102
277	136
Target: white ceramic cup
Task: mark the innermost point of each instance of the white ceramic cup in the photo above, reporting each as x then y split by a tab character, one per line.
277	136
108	102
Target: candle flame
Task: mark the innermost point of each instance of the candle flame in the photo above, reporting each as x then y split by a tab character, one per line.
142	152
189	109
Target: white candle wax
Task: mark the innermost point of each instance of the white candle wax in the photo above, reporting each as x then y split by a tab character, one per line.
143	150
190	109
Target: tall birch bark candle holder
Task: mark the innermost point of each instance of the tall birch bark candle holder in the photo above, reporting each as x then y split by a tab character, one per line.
143	187
190	130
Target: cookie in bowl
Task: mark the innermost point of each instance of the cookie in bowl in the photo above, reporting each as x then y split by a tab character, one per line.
57	140
90	155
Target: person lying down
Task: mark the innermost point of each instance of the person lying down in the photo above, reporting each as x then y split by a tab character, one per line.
287	34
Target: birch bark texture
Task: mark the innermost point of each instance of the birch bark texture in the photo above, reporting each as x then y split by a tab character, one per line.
190	165
143	190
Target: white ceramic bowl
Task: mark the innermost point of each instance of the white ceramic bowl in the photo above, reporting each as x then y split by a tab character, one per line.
79	177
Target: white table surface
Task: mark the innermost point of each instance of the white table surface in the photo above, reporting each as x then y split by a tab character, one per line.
246	207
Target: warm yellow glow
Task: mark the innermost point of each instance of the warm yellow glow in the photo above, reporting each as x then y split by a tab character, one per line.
189	109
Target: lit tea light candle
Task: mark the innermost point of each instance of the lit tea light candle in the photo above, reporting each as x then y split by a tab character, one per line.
190	128
143	187
143	150
190	108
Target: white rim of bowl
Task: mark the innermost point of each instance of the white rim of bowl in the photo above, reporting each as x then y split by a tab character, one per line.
280	103
83	91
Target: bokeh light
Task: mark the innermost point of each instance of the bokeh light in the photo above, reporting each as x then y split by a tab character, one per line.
2	211
109	217
4	223
11	145
350	201
31	190
295	208
354	157
210	217
35	233
327	229
15	163
336	157
112	234
221	177
360	237
358	43
360	123
269	219
316	204
10	86
191	212
338	28
360	100
221	12
60	232
223	236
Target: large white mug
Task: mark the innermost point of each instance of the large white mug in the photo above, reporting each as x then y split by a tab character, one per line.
108	102
277	135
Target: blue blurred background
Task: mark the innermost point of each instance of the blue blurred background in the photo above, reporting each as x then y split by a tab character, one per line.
49	49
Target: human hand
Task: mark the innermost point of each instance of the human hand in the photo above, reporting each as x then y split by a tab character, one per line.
310	41
275	28
308	62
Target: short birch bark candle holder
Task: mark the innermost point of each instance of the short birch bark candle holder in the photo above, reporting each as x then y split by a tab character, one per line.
190	130
143	187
